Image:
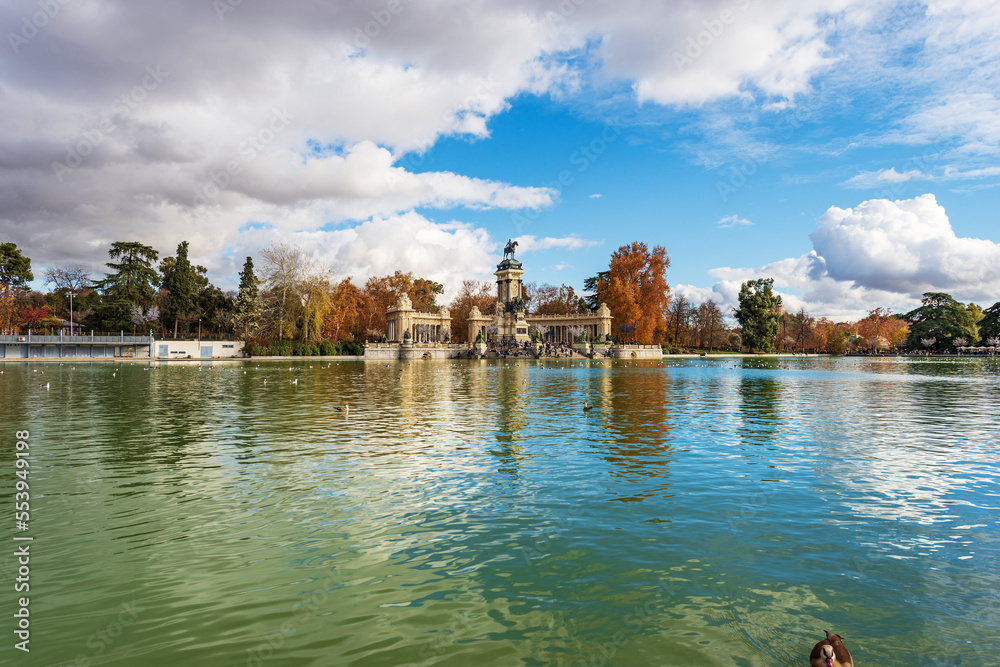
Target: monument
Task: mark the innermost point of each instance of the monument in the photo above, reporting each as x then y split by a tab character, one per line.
510	322
416	335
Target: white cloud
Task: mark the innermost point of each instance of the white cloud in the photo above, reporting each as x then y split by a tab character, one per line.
595	196
444	252
733	221
530	243
869	179
879	253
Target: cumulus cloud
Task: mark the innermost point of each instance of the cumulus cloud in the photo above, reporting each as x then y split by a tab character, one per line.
163	122
880	252
733	221
447	253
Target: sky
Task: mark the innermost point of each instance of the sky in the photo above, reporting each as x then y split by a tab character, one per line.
849	149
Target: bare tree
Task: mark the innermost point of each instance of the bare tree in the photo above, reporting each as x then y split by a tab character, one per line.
282	267
69	278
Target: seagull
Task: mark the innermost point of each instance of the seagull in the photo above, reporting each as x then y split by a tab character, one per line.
46	385
343	408
830	652
295	381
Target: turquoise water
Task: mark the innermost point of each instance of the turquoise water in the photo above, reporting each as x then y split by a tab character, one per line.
470	513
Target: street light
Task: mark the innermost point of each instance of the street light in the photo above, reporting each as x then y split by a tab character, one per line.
70	313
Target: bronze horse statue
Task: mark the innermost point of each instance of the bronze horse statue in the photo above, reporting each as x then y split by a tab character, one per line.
509	249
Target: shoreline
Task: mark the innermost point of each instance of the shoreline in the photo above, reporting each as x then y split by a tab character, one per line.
733	355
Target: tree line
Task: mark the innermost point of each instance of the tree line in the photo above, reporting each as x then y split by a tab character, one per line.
289	302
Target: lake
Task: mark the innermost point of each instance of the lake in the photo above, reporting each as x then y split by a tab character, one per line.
704	512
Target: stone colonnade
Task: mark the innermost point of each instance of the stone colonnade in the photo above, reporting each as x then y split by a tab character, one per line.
423	327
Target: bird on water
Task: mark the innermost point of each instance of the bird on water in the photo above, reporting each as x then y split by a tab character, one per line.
587	408
342	408
830	652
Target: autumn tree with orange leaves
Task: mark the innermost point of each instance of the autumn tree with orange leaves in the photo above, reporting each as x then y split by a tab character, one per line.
637	293
880	328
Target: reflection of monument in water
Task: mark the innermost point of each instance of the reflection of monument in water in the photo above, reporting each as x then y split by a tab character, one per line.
415	335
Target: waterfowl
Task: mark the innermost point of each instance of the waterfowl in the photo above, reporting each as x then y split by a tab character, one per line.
342	408
830	652
587	408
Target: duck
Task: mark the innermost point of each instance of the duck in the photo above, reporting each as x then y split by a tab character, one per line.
342	408
830	652
587	408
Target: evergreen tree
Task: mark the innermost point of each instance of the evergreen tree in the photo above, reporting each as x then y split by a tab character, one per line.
989	326
130	284
181	282
942	318
248	300
593	285
758	314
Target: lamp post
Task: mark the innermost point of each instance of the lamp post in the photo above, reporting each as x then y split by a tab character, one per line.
199	336
70	313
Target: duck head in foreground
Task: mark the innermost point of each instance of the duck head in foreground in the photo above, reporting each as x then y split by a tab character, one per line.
830	652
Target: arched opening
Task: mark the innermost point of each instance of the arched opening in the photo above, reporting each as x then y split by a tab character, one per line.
633	355
427	355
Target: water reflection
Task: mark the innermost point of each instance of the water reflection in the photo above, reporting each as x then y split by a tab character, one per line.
460	512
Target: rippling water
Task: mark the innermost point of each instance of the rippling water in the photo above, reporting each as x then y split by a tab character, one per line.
470	513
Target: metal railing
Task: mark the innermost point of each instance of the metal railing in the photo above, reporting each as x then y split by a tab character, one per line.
78	339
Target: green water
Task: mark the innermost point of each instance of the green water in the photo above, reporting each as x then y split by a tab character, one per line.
470	513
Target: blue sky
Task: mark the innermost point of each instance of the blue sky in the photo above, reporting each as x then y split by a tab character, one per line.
847	149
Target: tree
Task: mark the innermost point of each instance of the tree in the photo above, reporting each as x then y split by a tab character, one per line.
679	315
942	318
799	327
472	294
72	278
593	285
836	339
214	307
423	294
181	282
711	328
314	295
131	283
636	290
989	326
758	314
551	300
282	267
343	310
247	309
15	274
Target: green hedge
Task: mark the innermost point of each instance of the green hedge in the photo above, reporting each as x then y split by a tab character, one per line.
288	348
